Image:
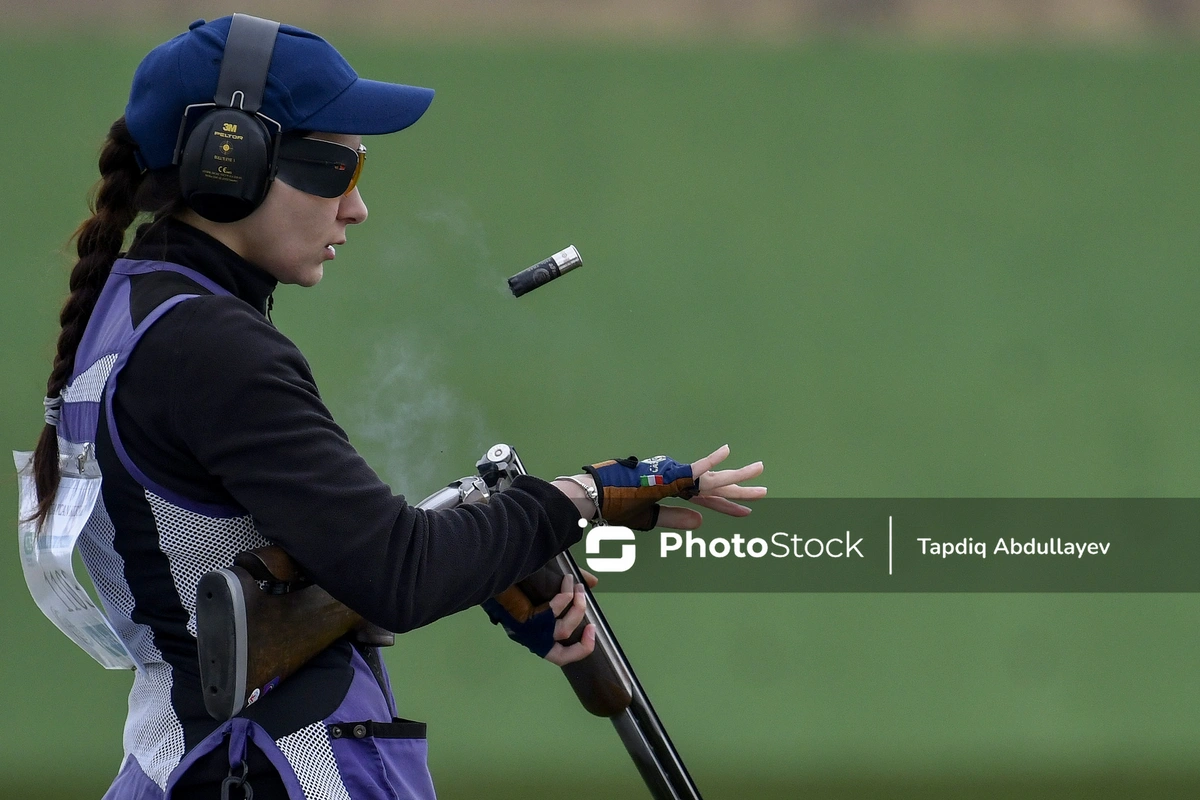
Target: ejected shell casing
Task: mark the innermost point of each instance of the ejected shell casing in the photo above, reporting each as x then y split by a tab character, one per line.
545	271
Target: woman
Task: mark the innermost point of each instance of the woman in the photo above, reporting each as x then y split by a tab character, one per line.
212	439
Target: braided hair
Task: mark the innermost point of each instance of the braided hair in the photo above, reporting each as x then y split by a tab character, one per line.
116	201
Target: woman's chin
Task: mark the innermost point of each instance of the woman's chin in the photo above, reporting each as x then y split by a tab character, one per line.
309	276
313	276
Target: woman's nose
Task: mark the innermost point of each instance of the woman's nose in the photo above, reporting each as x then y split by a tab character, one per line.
352	208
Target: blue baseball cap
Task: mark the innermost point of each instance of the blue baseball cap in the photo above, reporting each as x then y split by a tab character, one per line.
309	87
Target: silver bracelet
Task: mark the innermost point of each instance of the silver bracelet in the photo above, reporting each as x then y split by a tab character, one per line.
591	493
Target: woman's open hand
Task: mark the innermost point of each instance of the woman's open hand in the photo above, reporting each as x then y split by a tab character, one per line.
628	490
717	491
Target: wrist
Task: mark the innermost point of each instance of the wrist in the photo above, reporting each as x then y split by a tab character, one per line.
580	490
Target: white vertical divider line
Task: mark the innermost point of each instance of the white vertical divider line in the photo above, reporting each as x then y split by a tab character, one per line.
889	545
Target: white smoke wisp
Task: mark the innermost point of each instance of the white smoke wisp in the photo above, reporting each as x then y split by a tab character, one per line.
448	238
454	223
418	432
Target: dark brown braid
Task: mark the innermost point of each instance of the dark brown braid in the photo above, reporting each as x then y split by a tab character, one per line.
99	241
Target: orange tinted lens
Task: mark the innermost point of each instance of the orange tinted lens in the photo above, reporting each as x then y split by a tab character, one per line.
362	159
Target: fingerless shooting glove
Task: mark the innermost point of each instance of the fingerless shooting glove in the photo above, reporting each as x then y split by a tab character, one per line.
525	623
628	490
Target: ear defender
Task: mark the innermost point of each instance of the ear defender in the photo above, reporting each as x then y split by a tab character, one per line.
226	165
227	161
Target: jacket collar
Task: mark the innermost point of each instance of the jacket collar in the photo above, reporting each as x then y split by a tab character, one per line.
177	242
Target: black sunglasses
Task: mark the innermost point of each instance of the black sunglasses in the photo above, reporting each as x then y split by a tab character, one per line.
315	166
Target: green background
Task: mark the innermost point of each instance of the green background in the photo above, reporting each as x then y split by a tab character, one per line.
886	270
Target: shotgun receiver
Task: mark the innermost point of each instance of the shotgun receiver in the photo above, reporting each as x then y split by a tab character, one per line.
260	620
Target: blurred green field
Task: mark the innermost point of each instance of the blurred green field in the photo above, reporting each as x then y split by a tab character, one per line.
885	270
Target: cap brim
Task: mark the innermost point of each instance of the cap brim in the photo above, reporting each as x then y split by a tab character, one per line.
370	107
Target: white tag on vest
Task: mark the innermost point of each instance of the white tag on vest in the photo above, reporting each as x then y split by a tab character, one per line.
49	572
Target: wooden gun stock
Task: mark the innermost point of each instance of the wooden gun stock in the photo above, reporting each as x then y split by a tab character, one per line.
250	638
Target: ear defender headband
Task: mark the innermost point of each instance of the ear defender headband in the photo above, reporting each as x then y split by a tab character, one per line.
228	160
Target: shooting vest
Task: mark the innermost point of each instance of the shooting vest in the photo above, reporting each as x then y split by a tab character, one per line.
336	757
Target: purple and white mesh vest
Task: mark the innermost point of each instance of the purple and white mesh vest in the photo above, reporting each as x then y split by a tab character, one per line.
316	761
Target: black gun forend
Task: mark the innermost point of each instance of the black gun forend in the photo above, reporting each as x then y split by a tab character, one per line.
545	271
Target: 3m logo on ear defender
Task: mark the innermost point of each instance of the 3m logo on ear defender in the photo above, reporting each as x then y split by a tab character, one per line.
229	127
610	533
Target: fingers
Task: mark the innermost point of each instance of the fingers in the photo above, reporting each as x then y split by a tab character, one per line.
565	595
728	477
710	460
720	505
738	492
567	624
563	655
707	480
572	593
679	518
689	519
